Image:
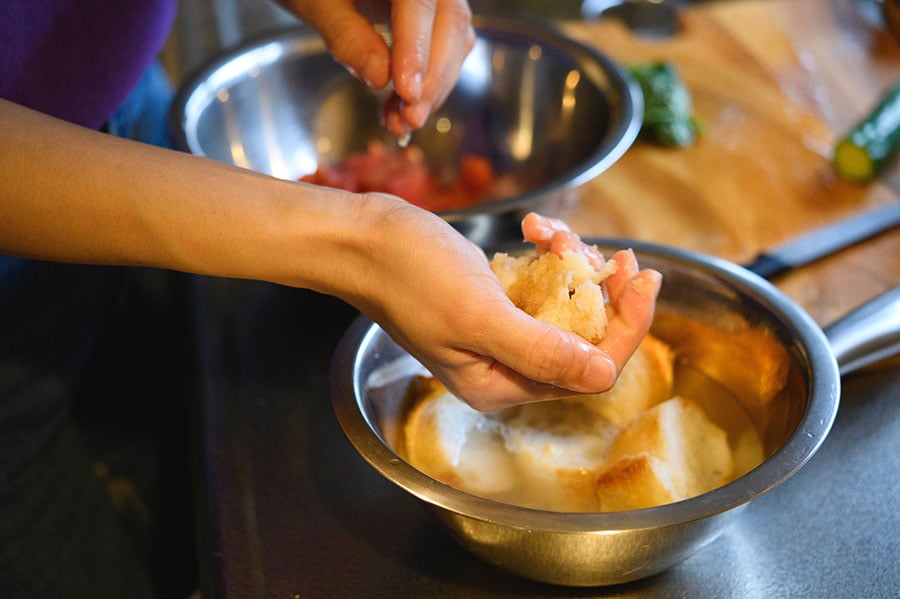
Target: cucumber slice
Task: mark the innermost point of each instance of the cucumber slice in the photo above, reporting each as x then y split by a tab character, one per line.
868	148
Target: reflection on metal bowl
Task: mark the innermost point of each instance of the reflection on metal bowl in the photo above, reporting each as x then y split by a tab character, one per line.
549	113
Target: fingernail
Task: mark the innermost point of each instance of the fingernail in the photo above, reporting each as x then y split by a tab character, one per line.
417	114
394	123
412	86
650	283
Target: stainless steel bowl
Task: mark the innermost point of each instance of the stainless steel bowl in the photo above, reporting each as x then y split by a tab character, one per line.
546	110
370	373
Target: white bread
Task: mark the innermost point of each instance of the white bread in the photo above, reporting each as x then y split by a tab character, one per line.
645	381
558	451
634	482
545	455
455	444
554	456
690	455
563	290
539	455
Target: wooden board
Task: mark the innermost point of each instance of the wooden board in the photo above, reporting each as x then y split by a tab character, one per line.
775	82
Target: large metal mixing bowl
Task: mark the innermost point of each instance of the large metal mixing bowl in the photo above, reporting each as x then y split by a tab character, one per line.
370	374
547	111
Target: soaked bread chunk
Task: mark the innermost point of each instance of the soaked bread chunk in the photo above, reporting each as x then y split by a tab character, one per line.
668	453
561	455
564	289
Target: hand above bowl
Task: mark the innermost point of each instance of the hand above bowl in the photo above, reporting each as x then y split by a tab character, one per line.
430	42
547	112
472	337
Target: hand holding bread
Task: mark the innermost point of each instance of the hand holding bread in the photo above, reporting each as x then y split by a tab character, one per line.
566	282
464	329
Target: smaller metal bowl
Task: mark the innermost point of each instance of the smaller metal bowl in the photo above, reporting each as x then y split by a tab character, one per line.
550	114
368	381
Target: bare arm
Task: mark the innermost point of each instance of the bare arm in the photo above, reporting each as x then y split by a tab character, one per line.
71	194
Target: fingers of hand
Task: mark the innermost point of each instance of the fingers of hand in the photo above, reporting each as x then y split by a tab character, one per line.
633	304
411	24
626	269
431	41
531	361
351	39
490	386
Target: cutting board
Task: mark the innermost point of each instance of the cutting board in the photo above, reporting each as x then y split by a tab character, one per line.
775	82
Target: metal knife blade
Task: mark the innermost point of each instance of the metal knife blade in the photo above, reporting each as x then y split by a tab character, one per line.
824	241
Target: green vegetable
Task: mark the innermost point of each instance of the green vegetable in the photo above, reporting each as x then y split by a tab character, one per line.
871	145
668	117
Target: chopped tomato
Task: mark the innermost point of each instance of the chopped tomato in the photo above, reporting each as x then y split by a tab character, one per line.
404	173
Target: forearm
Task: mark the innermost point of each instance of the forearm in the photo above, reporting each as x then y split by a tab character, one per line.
75	195
70	194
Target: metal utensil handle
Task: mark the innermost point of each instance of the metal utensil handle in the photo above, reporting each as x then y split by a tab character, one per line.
825	241
868	334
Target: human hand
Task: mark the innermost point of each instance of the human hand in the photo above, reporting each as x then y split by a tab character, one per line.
430	40
437	297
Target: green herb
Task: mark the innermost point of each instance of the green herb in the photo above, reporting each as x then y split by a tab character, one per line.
668	111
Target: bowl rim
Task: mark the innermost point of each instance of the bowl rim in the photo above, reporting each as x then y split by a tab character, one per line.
823	395
200	88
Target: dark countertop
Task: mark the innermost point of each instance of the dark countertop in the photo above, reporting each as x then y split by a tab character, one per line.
289	509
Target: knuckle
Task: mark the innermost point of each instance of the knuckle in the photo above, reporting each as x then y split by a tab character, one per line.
343	41
551	356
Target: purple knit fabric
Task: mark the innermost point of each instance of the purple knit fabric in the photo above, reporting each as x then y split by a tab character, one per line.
79	59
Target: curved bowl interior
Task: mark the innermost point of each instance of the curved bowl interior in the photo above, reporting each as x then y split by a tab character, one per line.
370	374
548	112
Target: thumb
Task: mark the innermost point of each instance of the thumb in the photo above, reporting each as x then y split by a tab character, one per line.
548	354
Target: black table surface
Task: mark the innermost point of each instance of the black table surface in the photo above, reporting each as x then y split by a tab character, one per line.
287	508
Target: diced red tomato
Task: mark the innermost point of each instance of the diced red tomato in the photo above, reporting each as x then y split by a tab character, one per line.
404	173
476	173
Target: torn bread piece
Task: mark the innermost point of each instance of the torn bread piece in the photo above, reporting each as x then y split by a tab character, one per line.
558	451
634	482
565	290
456	444
645	381
690	455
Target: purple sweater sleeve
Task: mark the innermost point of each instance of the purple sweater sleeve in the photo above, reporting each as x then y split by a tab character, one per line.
79	59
